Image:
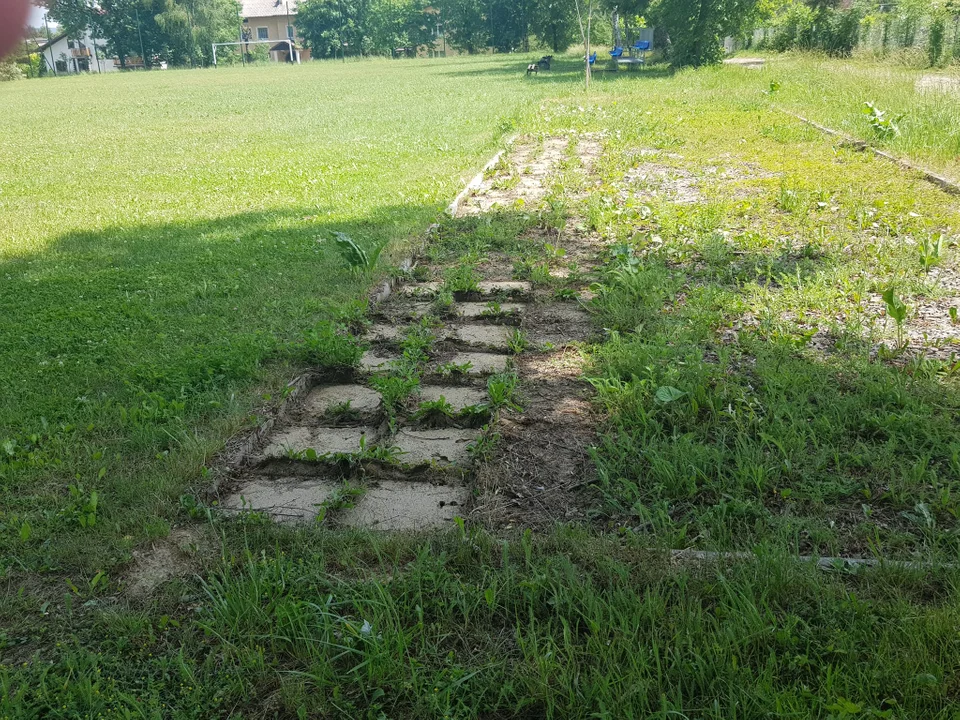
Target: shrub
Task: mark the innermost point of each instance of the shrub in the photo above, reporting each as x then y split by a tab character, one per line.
258	53
9	71
938	32
840	30
794	28
802	27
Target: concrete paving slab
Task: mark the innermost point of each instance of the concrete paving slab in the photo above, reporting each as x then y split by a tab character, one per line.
447	446
477	309
491	336
421	289
509	287
284	499
458	397
322	400
481	363
385	333
323	441
402	505
372	360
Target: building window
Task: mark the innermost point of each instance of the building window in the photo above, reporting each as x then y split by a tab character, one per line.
70	44
290	33
263	33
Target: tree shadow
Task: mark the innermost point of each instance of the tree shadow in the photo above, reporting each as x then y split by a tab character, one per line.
170	306
568	71
141	348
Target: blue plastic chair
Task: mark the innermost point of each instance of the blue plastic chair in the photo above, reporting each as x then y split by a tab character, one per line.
616	52
641	45
592	59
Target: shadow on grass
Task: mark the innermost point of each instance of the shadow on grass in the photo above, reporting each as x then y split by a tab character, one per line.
133	352
567	71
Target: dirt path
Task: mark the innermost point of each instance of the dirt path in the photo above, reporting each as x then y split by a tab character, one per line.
498	423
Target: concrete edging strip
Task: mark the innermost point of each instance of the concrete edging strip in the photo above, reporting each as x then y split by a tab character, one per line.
943	183
823	563
477	180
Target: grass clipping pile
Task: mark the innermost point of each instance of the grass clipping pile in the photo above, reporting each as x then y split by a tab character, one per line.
468	399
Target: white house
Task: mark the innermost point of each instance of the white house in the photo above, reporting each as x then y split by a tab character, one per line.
76	55
273	22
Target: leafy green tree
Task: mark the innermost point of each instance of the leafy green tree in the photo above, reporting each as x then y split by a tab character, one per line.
510	22
73	16
555	23
177	31
467	23
400	23
123	26
696	28
332	26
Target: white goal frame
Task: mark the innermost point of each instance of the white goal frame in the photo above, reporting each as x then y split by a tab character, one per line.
293	52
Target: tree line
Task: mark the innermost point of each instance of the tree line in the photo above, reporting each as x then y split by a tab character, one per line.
691	32
179	32
693	29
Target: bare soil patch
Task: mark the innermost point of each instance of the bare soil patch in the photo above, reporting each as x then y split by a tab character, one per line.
938	84
177	555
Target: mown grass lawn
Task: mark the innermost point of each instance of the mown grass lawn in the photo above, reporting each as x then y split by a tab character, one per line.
755	397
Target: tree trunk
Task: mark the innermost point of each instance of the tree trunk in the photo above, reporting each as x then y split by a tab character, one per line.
589	19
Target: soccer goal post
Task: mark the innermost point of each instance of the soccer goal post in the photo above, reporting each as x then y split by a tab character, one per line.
294	53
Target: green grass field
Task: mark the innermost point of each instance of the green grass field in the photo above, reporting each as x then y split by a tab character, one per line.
169	271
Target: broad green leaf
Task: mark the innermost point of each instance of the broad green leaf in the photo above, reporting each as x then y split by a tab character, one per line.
667	394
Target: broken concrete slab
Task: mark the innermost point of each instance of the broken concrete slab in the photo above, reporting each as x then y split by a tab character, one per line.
492	336
372	360
480	310
443	447
322	441
401	505
458	397
284	499
336	398
507	287
481	363
751	63
422	289
384	333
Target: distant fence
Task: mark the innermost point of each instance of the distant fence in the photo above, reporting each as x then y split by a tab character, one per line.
926	40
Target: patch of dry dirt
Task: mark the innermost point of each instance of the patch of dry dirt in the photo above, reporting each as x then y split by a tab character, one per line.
542	464
177	555
937	84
